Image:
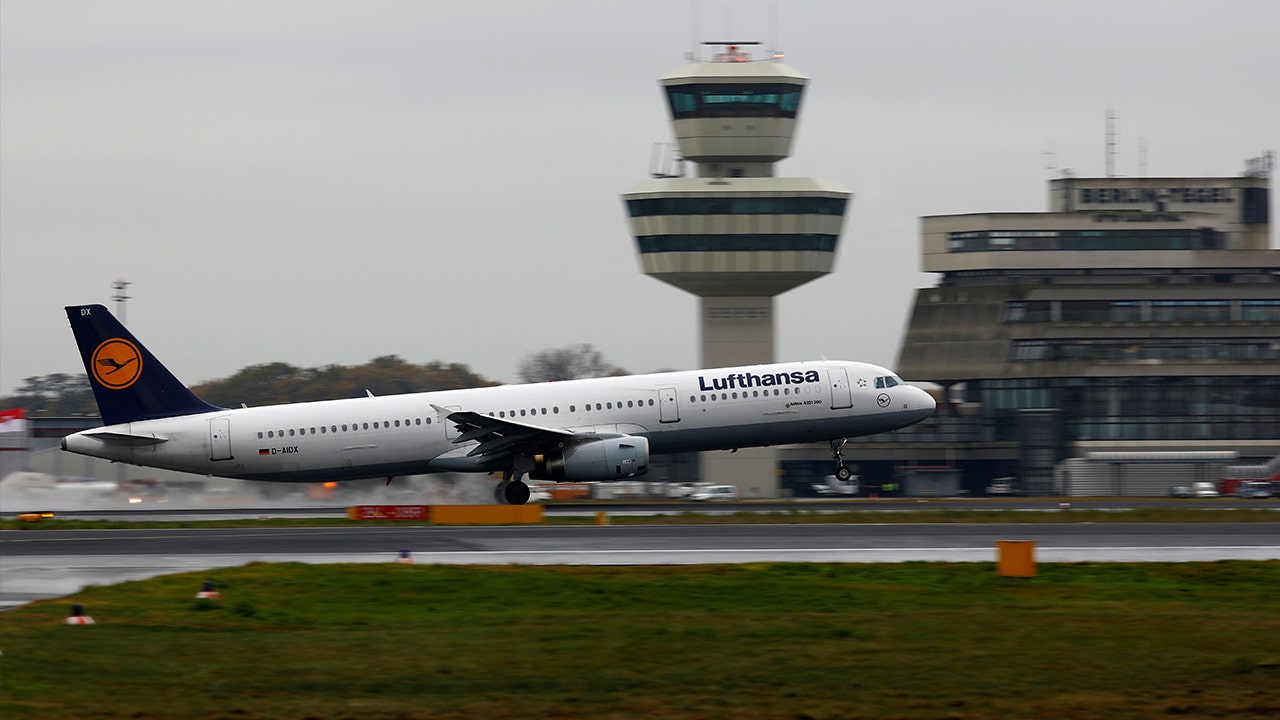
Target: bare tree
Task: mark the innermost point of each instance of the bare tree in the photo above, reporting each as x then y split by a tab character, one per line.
567	363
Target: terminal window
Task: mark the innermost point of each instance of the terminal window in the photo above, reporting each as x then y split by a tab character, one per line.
1127	239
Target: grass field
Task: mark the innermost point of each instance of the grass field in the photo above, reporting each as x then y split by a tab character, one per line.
790	641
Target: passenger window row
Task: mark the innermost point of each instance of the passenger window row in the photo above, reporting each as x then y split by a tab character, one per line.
334	429
388	424
588	407
712	397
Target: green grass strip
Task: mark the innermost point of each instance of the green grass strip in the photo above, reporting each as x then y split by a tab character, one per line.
405	642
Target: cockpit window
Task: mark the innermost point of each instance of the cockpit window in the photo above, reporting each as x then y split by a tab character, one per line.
887	381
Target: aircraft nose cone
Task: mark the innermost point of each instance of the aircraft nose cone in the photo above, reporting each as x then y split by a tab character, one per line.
923	402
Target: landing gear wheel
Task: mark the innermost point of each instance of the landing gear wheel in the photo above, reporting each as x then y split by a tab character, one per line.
837	453
516	493
500	491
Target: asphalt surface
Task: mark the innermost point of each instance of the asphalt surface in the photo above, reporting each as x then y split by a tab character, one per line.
36	564
201	511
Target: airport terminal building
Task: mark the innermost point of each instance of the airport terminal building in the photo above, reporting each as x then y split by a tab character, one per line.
1136	315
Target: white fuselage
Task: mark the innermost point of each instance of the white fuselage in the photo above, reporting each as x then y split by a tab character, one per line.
406	434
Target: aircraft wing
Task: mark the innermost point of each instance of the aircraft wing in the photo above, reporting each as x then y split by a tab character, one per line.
497	436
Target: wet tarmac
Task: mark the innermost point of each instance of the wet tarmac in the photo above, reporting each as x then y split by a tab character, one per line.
44	564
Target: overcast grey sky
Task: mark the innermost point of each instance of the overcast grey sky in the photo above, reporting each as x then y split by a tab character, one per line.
327	182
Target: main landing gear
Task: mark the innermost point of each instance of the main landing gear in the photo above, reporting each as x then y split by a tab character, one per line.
512	490
837	452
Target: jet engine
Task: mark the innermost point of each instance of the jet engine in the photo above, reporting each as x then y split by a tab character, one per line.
609	458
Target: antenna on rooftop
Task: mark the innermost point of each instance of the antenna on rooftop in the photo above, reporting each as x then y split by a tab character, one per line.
1050	158
1142	157
1111	143
773	30
692	55
1260	166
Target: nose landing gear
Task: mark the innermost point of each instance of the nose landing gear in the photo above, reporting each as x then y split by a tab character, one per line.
837	452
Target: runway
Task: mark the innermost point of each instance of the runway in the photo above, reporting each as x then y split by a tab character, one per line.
36	564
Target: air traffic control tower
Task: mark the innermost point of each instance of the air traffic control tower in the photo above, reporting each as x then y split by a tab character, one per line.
736	235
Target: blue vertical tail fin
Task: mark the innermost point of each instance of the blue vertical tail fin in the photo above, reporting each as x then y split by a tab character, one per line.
128	382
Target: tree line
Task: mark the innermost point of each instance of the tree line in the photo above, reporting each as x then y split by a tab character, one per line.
65	395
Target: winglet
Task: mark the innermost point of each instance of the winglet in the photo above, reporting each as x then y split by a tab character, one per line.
128	382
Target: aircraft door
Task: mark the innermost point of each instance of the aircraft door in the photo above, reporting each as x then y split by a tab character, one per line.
220	439
668	405
841	397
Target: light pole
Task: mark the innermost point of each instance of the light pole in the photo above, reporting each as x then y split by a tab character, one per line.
120	285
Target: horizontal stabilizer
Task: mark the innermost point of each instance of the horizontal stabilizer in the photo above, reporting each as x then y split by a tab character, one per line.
115	438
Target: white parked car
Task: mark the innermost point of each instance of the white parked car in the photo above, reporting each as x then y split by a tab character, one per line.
1204	489
680	491
1002	486
714	493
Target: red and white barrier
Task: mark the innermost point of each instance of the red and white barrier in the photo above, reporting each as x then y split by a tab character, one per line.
77	616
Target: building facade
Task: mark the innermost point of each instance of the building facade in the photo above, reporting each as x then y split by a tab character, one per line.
1137	315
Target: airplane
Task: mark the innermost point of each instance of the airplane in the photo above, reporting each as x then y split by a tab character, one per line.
597	429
